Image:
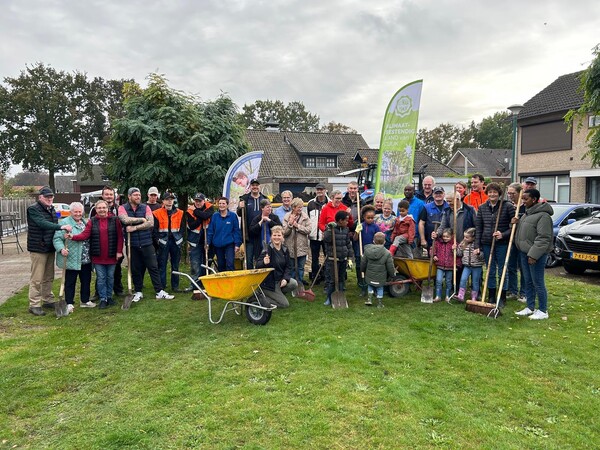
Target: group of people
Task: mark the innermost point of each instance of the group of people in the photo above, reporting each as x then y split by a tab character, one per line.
466	230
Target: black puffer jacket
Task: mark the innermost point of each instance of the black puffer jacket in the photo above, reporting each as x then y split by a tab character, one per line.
343	243
41	225
486	222
280	261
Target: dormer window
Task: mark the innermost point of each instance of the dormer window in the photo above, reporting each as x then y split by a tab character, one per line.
320	162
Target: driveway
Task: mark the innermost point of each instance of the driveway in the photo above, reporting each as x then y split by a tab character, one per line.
589	276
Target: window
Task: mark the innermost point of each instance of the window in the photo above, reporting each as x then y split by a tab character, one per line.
555	188
320	162
593	121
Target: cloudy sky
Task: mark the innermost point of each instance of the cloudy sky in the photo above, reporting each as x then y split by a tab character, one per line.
343	59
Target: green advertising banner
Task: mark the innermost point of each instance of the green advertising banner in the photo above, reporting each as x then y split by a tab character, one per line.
398	139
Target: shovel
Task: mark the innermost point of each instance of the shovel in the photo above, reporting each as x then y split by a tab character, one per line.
427	291
300	291
129	296
338	298
454	268
60	307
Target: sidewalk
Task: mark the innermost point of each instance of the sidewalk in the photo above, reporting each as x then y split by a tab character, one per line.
15	269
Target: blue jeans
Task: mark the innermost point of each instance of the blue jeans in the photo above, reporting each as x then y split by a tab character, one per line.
301	262
226	257
534	282
439	279
105	276
173	251
475	274
497	265
514	268
197	258
377	289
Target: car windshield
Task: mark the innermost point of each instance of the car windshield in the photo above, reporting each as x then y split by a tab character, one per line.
559	210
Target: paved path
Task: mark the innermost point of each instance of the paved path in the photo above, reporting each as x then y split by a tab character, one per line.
15	268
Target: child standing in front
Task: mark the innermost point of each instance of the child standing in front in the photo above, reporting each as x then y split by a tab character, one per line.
403	235
443	255
336	234
378	266
367	229
472	265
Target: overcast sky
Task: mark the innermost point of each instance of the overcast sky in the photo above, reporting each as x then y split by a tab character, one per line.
343	59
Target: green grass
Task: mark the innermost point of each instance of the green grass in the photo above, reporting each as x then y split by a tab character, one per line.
410	375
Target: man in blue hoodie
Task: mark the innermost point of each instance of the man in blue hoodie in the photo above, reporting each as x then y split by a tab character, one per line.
224	234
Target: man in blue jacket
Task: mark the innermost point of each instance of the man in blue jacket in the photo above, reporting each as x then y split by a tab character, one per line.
224	234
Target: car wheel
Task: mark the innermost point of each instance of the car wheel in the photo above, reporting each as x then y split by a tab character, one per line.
573	269
552	260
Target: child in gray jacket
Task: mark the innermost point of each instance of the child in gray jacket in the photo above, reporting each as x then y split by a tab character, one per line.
377	265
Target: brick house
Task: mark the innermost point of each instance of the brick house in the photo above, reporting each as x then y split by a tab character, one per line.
551	152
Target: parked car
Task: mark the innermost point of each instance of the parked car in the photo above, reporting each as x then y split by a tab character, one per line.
565	214
578	245
63	209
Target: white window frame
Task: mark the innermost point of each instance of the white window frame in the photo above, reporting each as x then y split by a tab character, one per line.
593	121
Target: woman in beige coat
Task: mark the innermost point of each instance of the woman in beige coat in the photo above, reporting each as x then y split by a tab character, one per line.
296	227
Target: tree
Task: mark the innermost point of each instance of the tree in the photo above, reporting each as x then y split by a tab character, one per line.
173	141
337	127
590	86
495	131
293	117
55	121
442	141
29	179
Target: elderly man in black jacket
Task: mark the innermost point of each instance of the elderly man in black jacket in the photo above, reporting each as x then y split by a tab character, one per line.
42	222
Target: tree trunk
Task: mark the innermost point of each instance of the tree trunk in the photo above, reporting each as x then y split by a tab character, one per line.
51	179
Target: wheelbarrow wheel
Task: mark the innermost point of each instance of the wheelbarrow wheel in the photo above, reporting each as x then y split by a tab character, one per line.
257	316
400	289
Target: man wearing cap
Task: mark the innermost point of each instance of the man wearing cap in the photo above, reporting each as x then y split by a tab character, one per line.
198	218
169	228
251	203
153	202
138	223
432	212
477	196
42	222
316	235
531	183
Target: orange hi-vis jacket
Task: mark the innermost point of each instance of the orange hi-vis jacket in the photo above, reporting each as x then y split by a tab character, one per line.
162	216
194	235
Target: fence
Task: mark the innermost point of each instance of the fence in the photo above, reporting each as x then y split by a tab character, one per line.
18	206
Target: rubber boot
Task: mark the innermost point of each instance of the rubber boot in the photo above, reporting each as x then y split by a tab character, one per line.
369	300
503	299
474	295
491	295
461	294
379	302
393	249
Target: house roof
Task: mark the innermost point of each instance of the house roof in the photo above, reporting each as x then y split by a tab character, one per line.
434	167
283	151
486	161
561	95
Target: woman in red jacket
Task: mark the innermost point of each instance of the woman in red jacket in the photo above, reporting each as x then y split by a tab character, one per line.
106	247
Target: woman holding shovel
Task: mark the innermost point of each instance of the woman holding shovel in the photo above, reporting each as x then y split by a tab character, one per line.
105	235
77	259
296	228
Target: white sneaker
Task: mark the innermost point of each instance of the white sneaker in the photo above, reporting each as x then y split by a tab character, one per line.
162	295
137	297
524	312
70	309
538	315
88	305
522	299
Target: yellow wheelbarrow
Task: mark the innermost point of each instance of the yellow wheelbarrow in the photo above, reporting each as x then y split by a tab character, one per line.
410	271
239	288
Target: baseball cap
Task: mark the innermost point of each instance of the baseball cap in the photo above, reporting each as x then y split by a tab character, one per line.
153	190
438	190
254	181
46	191
199	196
320	186
132	190
530	180
169	195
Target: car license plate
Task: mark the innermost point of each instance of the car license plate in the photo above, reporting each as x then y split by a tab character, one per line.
585	257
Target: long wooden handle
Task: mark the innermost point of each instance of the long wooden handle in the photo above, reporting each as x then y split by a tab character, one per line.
61	291
487	272
454	235
129	283
335	267
510	241
245	264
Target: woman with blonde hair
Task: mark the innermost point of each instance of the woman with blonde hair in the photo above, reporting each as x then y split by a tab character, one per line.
296	228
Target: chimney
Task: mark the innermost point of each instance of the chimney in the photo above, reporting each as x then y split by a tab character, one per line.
272	125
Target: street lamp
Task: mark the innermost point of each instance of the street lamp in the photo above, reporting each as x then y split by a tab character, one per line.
514	110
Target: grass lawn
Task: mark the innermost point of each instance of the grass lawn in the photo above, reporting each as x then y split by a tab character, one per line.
410	375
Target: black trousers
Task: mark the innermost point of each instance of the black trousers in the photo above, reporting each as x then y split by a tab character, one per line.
85	281
316	247
142	259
